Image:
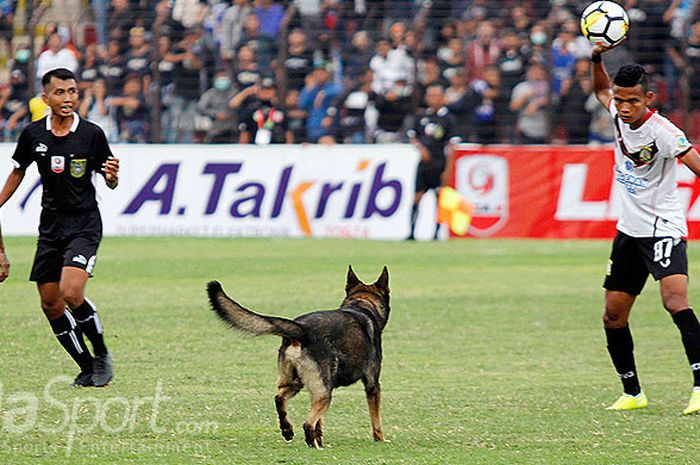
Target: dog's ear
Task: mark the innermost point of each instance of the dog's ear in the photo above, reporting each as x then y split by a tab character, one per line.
383	281
352	280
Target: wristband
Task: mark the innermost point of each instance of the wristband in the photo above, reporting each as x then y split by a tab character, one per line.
596	58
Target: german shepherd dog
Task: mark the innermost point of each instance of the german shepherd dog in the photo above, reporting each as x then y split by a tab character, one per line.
322	350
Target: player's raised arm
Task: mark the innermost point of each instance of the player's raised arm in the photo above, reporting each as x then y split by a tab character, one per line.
602	86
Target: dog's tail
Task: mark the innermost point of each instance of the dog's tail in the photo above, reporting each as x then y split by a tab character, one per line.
246	321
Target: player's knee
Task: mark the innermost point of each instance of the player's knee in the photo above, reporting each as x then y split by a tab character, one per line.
52	308
613	320
72	295
675	302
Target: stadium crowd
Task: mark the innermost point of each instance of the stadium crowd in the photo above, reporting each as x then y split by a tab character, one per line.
336	71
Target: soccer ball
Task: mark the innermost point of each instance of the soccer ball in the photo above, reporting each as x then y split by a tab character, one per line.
605	23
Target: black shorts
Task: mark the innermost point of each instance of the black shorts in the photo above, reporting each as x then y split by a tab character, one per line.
633	258
66	239
429	175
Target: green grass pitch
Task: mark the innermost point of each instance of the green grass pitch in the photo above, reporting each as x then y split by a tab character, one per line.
494	354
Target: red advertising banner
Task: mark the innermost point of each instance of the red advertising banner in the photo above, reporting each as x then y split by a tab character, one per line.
549	192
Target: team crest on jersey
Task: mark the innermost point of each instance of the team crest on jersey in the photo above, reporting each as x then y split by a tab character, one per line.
78	167
645	155
58	164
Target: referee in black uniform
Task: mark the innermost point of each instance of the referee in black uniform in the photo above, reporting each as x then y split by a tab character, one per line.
67	151
434	135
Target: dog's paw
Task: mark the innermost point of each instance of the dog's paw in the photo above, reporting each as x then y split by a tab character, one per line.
288	434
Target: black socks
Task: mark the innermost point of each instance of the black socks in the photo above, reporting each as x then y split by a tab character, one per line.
689	327
621	349
89	321
70	336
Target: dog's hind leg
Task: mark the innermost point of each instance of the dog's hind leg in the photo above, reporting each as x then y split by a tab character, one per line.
373	393
289	384
313	433
285	393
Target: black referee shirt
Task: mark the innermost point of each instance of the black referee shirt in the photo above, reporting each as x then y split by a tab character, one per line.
434	130
65	164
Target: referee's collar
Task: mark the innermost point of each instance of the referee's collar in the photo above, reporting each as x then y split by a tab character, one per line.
73	127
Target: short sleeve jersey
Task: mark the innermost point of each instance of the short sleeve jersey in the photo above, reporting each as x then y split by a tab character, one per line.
645	169
434	130
66	164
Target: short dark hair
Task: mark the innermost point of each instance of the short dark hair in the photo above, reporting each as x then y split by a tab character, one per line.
63	74
631	76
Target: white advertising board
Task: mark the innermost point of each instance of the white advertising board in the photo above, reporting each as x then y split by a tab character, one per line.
236	190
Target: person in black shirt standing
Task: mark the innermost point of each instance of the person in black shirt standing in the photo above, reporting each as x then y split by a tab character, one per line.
67	151
434	135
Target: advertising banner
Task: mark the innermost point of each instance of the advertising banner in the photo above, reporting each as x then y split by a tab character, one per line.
550	191
236	190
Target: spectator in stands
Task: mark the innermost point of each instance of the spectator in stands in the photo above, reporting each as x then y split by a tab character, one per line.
519	21
478	114
132	113
296	117
186	92
512	62
310	15
457	77
120	20
113	69
265	120
393	107
138	56
357	57
270	15
299	61
90	65
232	28
390	65
538	51
264	47
213	105
648	35
349	110
96	106
56	56
162	70
482	51
247	72
530	99
452	57
572	106
563	61
316	98
189	13
164	24
13	104
429	75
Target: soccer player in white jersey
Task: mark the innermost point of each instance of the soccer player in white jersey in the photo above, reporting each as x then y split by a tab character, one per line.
652	228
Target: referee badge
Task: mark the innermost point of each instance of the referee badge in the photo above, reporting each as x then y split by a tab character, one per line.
58	164
78	167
